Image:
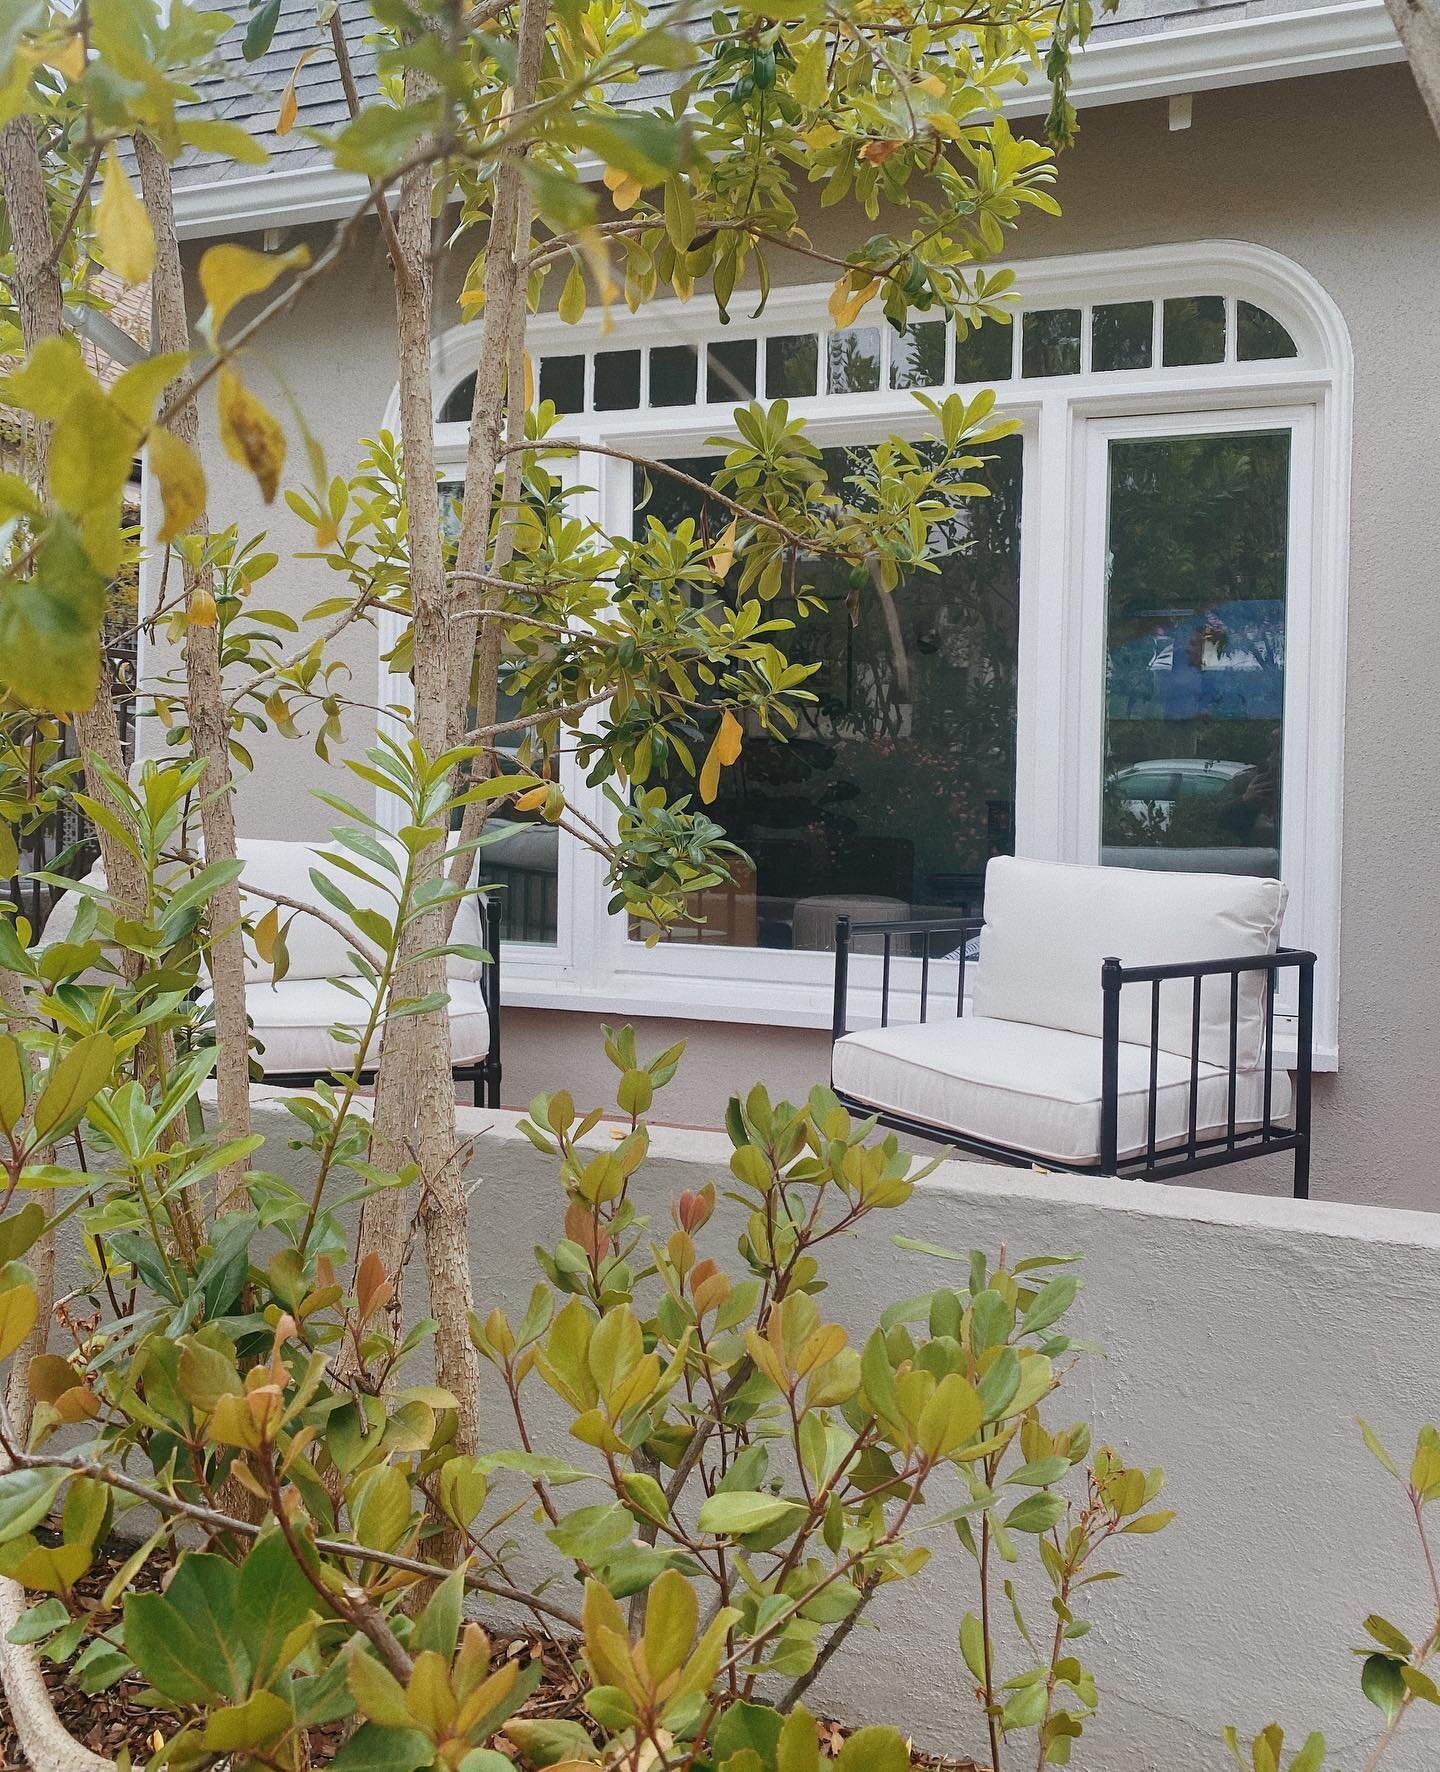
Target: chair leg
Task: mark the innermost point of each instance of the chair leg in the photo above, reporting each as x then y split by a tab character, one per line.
492	1087
1302	1170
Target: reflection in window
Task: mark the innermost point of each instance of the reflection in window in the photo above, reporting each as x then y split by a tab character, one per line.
854	360
617	381
792	367
1195	652
731	374
985	352
1194	330
1050	342
674	375
899	784
1121	335
459	403
1259	335
562	380
917	355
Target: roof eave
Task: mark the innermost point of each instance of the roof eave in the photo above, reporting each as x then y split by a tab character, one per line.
1282	46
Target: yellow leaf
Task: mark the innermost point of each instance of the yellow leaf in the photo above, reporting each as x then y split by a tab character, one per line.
572	297
124	239
730	738
201	612
933	85
625	189
249	432
810	82
182	482
944	124
68	57
228	273
18	1311
724	556
845	304
265	932
290	102
532	798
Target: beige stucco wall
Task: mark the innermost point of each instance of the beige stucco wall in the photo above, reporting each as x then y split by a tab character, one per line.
1342	175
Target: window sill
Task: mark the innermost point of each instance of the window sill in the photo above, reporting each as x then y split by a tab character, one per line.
744	1005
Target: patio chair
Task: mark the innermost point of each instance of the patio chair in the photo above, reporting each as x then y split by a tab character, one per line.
1068	1057
300	1023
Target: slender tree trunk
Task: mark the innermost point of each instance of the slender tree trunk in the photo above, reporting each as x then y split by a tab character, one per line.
1418	25
415	1089
208	724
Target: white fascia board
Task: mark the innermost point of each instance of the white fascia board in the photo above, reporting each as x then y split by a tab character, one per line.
1282	46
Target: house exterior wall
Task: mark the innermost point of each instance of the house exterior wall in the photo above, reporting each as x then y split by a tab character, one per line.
1340	174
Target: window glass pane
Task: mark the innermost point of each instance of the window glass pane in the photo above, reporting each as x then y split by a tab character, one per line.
1051	342
1121	335
1259	335
674	375
1195	652
917	355
562	379
984	353
460	401
617	381
1194	330
854	360
899	784
731	375
792	367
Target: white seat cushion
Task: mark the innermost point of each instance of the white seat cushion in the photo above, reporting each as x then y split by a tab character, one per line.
1048	925
295	1019
1037	1089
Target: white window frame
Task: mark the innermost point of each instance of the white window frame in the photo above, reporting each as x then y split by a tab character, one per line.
1066	424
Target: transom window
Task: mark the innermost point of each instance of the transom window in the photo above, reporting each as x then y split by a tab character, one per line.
1102	338
1132	652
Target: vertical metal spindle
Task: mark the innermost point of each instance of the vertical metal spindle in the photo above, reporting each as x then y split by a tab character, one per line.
960	987
1234	1055
1270	977
885	983
1154	1070
842	977
924	971
1304	1034
1109	1065
1194	1066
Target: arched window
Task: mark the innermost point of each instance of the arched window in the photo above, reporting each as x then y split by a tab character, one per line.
1132	652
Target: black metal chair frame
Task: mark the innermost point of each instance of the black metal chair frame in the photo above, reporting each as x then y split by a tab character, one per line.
1196	1152
483	1075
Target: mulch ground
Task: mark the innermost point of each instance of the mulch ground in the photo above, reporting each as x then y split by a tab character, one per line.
110	1721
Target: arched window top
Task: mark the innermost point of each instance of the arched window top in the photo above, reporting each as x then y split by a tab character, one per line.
1213	312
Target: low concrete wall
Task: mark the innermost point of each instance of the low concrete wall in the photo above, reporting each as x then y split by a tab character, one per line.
1241	1337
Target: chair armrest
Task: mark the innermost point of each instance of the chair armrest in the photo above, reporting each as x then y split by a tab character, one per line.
888	928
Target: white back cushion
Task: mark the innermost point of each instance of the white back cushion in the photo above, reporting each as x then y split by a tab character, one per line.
1048	925
316	949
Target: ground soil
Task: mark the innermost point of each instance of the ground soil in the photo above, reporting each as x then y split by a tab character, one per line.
109	1721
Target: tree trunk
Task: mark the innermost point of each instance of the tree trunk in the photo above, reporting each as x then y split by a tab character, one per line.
208	724
1418	25
415	1088
44	1740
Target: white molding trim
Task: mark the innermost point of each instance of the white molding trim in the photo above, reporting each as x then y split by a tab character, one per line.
1114	70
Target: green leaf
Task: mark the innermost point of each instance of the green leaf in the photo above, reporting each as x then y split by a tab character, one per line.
874	1750
39	1622
72	1085
438	1626
544	1741
1382	1683
972	1645
646	144
374	1749
799	1747
1050	1302
272	1599
166	1650
259	1721
381	136
744	1725
25	1498
735	1514
1372	1441
50	626
1036	1513
591	1531
13	1071
19	1231
378	1693
203	1598
228	140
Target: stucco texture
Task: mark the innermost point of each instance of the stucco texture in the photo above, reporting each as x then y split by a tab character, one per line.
1342	175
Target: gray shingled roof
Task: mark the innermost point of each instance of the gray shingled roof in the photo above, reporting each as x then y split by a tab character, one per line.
250	93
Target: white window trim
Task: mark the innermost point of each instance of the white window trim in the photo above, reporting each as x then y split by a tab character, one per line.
1065	422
